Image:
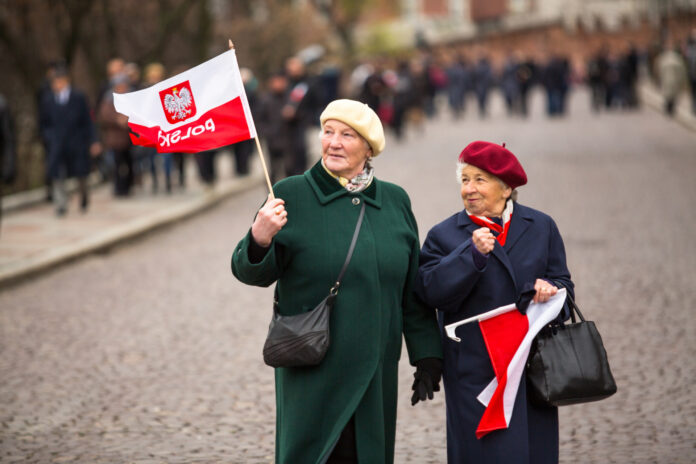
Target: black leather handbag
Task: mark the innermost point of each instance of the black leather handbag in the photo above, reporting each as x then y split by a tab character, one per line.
568	364
303	339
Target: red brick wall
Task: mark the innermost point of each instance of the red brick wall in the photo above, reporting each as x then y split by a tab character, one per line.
435	7
482	10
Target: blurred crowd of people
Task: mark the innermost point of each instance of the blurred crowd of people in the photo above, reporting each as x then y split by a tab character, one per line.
80	138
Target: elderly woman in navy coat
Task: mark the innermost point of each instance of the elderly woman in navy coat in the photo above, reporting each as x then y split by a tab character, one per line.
476	260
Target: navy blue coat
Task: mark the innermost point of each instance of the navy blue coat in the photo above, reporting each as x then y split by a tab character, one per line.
449	281
68	132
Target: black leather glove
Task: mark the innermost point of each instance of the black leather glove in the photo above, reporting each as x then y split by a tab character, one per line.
427	379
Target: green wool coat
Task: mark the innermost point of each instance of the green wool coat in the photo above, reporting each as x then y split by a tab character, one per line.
374	307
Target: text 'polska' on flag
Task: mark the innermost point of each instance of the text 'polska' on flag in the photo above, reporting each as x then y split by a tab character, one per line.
200	109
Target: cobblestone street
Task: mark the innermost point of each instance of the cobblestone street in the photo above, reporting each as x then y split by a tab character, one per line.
151	352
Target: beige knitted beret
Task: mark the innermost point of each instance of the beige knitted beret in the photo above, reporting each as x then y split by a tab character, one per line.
360	117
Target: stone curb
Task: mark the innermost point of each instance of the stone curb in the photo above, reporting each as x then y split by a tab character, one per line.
120	233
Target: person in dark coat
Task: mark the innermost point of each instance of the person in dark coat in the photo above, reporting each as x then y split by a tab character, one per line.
476	260
344	409
304	102
483	81
68	132
273	127
8	156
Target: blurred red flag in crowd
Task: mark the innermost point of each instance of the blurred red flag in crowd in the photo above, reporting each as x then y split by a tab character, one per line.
200	109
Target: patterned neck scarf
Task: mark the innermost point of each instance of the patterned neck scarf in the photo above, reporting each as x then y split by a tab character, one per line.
357	183
501	231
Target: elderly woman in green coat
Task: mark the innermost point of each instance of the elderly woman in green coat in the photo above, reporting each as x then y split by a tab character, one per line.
344	409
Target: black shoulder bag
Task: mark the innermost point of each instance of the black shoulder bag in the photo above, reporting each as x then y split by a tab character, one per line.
303	339
568	364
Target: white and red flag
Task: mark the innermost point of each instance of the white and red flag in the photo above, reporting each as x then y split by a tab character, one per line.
200	109
508	335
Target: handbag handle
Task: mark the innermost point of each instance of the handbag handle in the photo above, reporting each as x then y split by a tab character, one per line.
572	306
573	309
334	289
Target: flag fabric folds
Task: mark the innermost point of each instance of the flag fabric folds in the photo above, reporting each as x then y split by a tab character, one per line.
508	337
200	109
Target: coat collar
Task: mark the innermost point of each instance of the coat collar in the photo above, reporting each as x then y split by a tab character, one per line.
327	189
519	223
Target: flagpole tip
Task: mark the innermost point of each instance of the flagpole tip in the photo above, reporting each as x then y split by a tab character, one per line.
230	44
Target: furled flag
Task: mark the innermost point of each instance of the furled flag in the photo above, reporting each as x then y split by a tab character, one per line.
200	109
508	335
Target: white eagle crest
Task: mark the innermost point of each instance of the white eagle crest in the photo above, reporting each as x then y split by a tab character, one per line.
178	102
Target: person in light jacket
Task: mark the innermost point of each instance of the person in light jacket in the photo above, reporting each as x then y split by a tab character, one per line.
478	259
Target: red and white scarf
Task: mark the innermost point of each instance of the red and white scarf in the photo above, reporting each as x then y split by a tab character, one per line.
502	231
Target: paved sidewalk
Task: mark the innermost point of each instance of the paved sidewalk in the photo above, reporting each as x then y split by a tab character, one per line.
34	239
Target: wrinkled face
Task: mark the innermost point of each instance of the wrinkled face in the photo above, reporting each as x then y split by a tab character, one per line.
343	150
483	193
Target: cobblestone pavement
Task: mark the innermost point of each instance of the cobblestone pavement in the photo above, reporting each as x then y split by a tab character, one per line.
151	353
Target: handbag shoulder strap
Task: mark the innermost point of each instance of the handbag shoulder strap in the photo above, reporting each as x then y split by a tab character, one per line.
574	308
334	289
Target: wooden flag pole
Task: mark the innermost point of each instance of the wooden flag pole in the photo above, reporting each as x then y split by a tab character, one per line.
258	148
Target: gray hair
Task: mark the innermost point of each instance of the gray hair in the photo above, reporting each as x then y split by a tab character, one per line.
461	166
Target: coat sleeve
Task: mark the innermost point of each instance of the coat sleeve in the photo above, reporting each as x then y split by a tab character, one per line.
421	333
261	274
556	268
446	276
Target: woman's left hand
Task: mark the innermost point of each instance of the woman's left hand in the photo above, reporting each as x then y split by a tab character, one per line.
544	291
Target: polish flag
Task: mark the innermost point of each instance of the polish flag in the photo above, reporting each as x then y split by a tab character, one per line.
508	335
200	109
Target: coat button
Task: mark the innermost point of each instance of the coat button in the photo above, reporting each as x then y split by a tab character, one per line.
356	201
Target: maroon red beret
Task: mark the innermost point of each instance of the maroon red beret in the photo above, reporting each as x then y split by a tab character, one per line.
496	160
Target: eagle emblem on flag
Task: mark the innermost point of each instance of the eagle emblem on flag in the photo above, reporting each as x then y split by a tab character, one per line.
178	103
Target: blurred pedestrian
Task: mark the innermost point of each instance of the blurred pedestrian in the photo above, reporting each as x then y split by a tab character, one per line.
597	68
244	150
630	75
526	75
105	161
273	127
43	93
671	73
115	136
70	139
8	156
300	111
510	84
343	410
483	81
556	80
476	260
403	97
147	157
458	76
690	52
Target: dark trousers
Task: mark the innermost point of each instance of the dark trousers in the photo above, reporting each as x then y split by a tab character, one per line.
123	172
345	451
206	166
242	153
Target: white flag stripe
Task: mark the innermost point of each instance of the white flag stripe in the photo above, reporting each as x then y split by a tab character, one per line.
538	315
450	328
214	82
